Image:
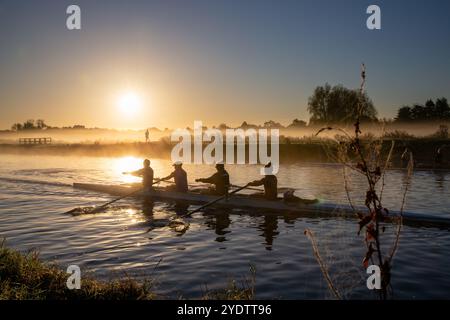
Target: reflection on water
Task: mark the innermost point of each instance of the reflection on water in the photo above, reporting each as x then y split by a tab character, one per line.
220	224
269	230
440	178
133	236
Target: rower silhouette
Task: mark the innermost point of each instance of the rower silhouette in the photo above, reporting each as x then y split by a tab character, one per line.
180	178
220	180
146	173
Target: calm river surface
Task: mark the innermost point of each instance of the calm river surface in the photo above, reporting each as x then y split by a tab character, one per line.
219	245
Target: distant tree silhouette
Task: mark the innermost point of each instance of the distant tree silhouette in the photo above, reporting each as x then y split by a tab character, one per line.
246	125
338	104
297	124
442	108
16	127
431	111
29	124
404	114
40	124
272	125
223	126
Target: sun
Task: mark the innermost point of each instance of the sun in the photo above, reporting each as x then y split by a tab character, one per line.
129	103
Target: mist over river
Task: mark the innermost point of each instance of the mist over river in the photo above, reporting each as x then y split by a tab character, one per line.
220	244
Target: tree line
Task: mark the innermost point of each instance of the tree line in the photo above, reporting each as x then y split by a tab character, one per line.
438	110
327	105
338	104
39	124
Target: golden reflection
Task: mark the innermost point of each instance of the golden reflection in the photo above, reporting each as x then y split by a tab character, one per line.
125	164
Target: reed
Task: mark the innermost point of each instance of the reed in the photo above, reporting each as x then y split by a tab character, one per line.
367	159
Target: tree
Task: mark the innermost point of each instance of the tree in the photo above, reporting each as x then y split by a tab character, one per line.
404	114
442	109
418	112
29	124
246	126
223	126
431	111
297	124
272	125
16	127
339	105
40	124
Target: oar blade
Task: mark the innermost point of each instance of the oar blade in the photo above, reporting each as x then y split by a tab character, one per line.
74	210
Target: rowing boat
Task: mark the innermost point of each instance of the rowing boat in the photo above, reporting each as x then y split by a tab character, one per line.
305	208
239	201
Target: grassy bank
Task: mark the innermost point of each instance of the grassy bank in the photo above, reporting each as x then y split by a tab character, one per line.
26	277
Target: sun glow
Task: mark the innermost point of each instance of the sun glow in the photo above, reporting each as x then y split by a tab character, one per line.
127	164
129	103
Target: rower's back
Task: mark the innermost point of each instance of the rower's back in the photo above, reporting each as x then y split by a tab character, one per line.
147	177
270	187
180	177
221	181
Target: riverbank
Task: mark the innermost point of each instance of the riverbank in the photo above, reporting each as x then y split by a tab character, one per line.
291	151
26	277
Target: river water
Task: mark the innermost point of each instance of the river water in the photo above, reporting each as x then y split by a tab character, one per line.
220	245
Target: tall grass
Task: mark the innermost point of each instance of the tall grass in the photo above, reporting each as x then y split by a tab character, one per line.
26	277
373	223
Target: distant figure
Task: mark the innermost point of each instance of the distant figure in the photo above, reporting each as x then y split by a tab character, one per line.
439	157
146	173
405	157
179	176
270	183
220	180
147	135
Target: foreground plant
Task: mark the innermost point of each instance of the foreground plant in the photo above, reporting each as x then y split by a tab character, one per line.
367	160
26	277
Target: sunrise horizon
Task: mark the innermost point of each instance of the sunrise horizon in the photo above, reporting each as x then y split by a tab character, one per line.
196	66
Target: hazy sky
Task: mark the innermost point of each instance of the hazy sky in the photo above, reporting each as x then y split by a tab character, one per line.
215	61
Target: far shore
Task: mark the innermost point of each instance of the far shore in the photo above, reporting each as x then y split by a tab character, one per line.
306	150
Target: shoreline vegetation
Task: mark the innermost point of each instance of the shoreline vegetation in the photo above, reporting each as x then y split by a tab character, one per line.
23	276
306	149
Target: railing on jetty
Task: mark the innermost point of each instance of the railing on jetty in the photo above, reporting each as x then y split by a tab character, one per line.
35	140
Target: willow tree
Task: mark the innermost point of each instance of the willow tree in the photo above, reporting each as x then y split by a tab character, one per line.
338	104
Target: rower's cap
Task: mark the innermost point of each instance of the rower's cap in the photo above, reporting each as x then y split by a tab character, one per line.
220	165
177	164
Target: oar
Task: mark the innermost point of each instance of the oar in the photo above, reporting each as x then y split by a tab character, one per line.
98	209
213	202
279	190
